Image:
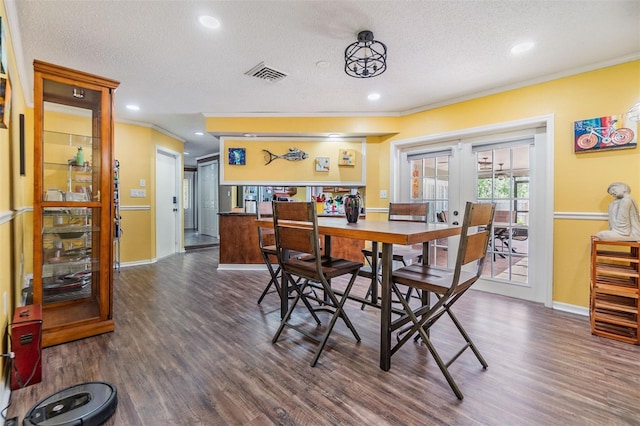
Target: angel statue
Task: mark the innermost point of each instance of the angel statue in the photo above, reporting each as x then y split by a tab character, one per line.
624	218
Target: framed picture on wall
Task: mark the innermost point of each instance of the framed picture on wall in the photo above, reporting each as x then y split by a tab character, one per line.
5	102
322	164
346	157
3	49
237	156
603	133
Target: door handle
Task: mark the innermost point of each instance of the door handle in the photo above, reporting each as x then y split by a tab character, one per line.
455	223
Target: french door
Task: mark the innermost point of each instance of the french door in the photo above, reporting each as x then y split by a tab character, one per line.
484	170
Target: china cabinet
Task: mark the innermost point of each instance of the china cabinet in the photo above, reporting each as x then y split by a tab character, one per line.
73	202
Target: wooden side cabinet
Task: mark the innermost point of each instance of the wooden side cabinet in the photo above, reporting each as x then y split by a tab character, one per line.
73	202
614	310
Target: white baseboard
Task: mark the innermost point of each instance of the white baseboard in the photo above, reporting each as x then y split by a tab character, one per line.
138	263
242	267
574	309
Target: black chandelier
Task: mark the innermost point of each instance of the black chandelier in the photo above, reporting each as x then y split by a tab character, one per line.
366	57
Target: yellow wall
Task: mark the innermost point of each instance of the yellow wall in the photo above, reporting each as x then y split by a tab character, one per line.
580	181
14	192
135	149
131	149
285	171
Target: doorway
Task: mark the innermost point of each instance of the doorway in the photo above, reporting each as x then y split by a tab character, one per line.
167	202
208	198
508	168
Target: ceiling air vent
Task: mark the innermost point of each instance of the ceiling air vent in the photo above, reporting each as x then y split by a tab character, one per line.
266	73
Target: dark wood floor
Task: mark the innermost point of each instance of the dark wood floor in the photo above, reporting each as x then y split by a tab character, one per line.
191	347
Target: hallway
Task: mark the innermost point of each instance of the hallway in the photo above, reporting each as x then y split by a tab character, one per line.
193	240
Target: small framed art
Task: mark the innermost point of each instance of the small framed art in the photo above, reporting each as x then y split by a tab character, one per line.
603	133
347	157
322	164
237	156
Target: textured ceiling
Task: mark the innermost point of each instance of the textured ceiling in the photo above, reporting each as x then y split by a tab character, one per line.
438	52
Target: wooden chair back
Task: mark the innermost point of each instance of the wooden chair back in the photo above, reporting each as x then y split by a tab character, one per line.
296	228
409	212
474	238
266	236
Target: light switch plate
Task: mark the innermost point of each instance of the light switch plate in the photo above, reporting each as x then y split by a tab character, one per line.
383	193
143	183
137	193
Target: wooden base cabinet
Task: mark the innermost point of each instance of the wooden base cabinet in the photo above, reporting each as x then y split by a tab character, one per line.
614	311
73	202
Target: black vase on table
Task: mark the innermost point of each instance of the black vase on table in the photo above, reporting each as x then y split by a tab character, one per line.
352	207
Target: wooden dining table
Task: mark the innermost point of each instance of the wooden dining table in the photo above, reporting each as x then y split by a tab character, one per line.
388	233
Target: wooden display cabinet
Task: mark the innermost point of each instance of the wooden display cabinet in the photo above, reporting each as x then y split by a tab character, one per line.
73	202
615	273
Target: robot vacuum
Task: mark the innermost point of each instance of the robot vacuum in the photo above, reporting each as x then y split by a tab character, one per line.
86	404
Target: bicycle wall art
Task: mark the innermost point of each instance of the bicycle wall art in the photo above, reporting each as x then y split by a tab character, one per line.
603	133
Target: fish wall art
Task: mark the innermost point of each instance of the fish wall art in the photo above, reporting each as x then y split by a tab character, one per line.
294	154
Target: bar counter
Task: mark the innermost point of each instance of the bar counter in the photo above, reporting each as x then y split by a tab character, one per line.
239	242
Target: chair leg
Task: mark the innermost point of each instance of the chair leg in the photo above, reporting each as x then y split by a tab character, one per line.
369	291
299	295
419	326
339	312
441	364
466	337
273	281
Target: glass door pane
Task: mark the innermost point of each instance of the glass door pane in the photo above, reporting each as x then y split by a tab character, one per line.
430	183
503	178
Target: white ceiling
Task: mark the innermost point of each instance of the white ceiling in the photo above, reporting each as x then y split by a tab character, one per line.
439	52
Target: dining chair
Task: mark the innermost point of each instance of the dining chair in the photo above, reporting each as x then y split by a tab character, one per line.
296	230
406	212
448	285
266	241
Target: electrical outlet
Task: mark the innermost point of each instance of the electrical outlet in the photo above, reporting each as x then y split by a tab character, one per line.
383	193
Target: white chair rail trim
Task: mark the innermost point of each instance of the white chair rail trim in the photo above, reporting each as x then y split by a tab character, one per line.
581	215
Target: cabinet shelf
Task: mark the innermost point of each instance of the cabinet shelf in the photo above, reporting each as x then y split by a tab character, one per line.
615	291
60	269
69	139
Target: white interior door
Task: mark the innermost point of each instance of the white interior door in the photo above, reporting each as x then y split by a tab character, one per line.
188	200
498	169
208	203
167	203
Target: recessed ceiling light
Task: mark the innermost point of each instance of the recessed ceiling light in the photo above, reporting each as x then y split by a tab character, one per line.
209	21
373	96
133	107
522	47
198	133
